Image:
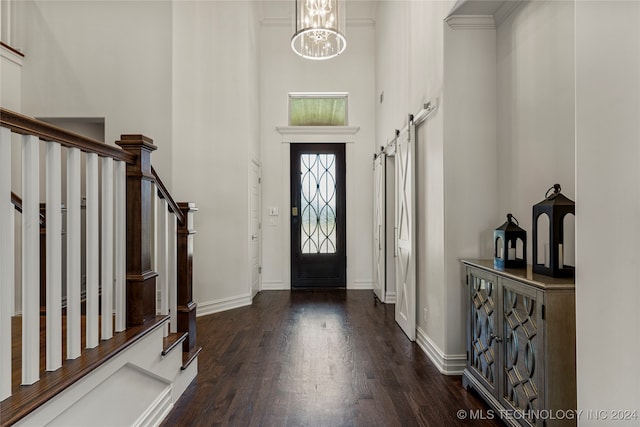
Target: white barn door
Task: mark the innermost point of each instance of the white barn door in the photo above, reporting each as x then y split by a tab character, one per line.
379	229
405	232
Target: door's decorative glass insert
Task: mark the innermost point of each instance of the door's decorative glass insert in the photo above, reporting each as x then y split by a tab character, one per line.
318	203
520	330
483	332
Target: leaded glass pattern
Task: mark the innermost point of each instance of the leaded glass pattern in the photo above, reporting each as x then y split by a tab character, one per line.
318	203
521	331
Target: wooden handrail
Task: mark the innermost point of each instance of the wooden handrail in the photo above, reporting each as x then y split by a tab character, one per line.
164	194
14	50
28	126
17	204
17	201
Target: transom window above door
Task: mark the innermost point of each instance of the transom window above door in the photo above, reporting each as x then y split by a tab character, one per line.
318	109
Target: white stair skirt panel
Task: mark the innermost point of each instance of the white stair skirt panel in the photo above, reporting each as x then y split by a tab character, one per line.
137	387
130	397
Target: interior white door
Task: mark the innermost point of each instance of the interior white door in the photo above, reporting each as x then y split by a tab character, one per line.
405	232
379	221
255	228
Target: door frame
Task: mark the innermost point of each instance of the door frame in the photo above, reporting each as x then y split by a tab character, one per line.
379	226
339	150
299	135
255	163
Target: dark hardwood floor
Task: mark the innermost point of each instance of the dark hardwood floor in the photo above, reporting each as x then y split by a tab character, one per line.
317	358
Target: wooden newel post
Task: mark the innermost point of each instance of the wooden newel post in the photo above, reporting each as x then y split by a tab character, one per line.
186	306
141	280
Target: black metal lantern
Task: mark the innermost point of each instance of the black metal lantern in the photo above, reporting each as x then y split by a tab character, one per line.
556	207
509	245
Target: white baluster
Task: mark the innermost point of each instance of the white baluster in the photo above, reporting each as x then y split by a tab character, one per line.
6	263
162	253
172	272
54	256
74	247
120	223
30	259
107	248
155	207
92	247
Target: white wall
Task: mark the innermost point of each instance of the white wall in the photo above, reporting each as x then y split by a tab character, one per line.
282	71
216	120
10	79
504	128
470	166
535	108
101	59
607	47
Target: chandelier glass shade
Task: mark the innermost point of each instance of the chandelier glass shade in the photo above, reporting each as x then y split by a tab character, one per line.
319	29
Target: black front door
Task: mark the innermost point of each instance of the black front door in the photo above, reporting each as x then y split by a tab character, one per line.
318	216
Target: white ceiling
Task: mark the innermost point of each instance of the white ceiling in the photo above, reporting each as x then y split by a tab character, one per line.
283	9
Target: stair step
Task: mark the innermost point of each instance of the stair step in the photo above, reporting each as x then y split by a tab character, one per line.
172	340
26	399
190	356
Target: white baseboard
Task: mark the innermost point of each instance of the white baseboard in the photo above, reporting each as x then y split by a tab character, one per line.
361	285
448	364
210	307
390	298
274	286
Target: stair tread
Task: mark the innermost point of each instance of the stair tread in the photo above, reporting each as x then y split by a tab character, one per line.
172	340
190	356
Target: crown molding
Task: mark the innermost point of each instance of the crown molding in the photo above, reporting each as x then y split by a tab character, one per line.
506	10
471	22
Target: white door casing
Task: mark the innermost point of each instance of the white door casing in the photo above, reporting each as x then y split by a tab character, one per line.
405	232
379	230
255	229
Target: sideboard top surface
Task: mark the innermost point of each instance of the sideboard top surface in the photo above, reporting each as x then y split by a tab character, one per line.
524	275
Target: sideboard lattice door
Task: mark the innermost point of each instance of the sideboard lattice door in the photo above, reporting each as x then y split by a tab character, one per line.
520	319
483	327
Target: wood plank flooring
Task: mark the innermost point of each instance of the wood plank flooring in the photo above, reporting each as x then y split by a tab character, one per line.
316	358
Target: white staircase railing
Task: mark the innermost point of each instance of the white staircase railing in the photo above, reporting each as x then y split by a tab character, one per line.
102	245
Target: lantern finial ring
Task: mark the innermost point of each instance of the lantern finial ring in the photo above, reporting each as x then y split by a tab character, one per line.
512	218
556	189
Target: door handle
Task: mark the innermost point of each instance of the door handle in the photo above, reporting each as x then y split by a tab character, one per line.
254	236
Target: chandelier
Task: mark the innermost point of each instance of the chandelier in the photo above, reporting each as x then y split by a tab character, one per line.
319	30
